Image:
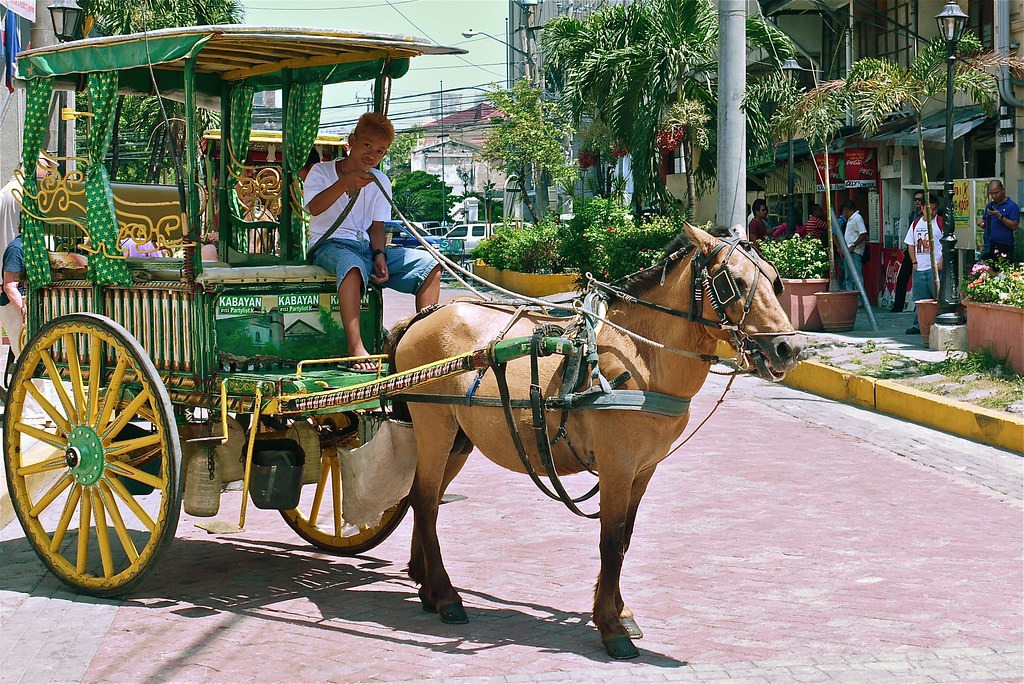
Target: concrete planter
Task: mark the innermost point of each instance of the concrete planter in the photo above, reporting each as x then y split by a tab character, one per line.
529	284
998	328
799	303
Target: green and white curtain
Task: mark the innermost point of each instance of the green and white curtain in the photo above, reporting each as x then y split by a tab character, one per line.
37	110
301	125
106	263
236	149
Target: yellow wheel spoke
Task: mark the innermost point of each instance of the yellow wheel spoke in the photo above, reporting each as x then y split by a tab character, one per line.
318	496
75	373
65	518
126	415
142	476
336	492
115	517
36	468
84	523
59	486
51	438
48	408
95	361
58	385
130	445
102	533
112	393
126	496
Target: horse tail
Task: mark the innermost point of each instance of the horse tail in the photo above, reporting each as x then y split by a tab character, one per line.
399	409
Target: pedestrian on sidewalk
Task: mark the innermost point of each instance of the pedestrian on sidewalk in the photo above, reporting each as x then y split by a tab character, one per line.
1000	220
919	242
855	232
907	265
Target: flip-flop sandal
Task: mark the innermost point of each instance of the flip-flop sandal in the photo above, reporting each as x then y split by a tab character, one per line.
351	368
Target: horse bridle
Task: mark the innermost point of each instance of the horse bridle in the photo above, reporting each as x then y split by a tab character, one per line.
720	286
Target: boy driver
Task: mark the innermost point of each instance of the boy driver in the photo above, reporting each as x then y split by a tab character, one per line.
356	251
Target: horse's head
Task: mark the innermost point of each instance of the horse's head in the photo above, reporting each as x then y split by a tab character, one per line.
735	295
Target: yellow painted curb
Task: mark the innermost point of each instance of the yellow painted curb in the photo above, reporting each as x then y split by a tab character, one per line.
973	422
994	428
529	284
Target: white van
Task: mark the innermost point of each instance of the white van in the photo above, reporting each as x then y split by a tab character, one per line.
471	235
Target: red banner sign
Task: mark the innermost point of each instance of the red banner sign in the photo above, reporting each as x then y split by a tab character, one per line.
860	168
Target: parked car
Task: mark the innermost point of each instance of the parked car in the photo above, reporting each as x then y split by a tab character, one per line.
470	235
401	237
430	227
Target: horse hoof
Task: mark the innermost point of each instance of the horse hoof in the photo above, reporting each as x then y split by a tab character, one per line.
453	614
632	629
621	647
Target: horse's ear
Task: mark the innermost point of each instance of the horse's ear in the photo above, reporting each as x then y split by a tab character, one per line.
704	241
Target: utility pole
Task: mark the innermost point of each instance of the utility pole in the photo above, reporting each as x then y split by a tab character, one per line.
732	130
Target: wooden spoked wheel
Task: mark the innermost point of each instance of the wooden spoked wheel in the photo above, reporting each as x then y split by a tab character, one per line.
318	517
92	454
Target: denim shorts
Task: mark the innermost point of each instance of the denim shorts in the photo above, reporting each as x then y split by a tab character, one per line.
407	268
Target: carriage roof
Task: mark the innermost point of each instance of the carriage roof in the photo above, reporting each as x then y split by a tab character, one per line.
225	55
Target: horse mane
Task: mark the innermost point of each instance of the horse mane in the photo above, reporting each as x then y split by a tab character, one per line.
637	284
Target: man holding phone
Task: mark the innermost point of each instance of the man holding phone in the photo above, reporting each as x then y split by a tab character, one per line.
1000	220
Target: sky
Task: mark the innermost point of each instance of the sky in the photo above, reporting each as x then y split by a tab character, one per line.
439	21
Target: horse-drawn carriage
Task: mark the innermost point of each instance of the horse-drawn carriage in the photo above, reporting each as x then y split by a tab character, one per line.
134	361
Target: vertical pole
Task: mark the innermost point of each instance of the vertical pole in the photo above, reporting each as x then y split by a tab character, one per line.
791	183
948	282
441	137
732	132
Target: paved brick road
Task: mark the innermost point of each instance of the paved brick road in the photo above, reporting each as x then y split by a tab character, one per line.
795	539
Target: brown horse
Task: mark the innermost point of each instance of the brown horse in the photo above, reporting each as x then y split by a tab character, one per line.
655	305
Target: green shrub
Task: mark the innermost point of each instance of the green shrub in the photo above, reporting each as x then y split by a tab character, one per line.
797	257
531	249
600	239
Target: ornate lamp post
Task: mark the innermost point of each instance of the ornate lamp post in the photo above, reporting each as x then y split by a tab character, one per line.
790	67
66	16
951	21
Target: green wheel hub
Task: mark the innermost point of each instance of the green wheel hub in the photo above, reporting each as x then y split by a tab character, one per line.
84	455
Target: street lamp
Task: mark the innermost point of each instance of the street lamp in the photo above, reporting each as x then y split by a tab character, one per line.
790	67
951	21
66	16
508	71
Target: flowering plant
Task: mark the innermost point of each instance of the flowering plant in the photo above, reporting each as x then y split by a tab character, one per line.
586	159
995	282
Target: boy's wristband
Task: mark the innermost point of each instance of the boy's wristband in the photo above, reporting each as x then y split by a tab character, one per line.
376	252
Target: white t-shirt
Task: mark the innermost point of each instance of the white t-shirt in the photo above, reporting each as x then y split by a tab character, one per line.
10	213
855	228
917	239
370	206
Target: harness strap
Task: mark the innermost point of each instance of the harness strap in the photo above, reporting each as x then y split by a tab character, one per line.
616	400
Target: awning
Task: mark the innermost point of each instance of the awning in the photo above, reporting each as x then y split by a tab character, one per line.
965	120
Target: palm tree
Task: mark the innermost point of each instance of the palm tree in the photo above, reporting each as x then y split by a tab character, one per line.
627	64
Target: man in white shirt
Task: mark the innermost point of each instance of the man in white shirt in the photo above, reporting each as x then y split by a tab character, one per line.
920	242
356	250
856	236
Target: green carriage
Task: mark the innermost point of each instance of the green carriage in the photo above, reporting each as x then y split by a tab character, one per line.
132	360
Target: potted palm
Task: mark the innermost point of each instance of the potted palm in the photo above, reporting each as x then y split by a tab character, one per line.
802	264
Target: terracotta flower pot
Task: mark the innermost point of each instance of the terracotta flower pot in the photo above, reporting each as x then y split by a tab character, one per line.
927	309
838	310
799	303
998	328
